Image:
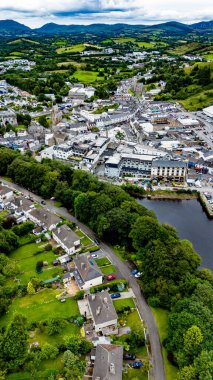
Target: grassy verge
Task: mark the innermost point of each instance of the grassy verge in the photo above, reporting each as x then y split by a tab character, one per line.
102	262
124	302
162	317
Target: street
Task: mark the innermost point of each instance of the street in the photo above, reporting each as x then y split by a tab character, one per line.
157	372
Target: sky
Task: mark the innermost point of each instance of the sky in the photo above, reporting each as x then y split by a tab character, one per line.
35	13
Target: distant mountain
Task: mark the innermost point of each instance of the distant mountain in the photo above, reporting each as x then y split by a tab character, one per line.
12	27
203	25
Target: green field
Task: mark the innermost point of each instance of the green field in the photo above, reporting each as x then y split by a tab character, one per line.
184	48
108	269
71	49
123	40
28	255
103	262
87	76
146	44
20	40
208	56
201	100
17	54
161	318
120	303
41	306
68	63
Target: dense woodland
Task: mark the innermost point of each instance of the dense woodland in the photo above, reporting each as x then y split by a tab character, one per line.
171	277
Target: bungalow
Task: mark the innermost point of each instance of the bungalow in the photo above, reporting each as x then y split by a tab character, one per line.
103	312
43	218
87	273
108	362
66	238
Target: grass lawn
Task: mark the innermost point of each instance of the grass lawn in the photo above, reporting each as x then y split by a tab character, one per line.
41	306
43	337
198	101
103	262
146	44
3	213
108	269
124	40
86	240
161	317
71	49
27	258
87	76
119	304
135	374
68	63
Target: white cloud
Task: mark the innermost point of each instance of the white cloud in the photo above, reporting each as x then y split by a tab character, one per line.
38	12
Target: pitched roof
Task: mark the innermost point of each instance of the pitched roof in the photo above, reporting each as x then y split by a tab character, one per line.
102	308
66	235
87	269
108	362
46	218
169	164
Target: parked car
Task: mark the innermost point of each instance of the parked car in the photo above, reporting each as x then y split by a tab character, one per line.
138	274
97	241
43	202
115	295
129	356
94	255
134	272
137	364
111	277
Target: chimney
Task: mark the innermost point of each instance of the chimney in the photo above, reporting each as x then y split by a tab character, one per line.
59	230
93	297
83	266
112	368
105	300
98	310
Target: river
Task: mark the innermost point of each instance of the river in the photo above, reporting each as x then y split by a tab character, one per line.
190	221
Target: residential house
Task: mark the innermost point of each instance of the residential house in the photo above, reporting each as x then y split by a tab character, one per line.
43	218
108	362
67	239
5	193
87	273
103	313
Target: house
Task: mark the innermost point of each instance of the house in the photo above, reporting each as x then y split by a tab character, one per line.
87	273
43	218
169	170
103	313
108	362
5	193
67	239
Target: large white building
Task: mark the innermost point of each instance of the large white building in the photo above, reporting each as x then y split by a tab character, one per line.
208	111
103	312
67	239
129	164
169	170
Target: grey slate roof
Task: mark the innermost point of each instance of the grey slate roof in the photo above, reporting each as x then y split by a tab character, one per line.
108	362
46	218
102	308
168	163
66	235
86	269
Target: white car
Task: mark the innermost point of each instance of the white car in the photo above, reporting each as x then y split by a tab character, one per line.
137	275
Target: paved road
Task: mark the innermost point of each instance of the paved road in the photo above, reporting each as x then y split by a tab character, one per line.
157	372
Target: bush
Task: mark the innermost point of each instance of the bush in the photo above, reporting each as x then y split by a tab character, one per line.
48	247
113	285
49	352
154	301
79	295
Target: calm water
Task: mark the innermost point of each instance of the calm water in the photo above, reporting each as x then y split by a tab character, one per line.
190	221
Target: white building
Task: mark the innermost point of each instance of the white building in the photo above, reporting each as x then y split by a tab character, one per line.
129	164
67	239
103	312
43	218
87	273
169	170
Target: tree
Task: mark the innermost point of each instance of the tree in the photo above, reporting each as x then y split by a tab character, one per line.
192	340
48	351
136	337
187	373
30	288
120	135
15	342
43	121
204	365
55	325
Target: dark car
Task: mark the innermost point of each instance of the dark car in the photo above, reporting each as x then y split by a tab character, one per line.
97	241
129	356
115	295
43	202
134	271
111	277
137	364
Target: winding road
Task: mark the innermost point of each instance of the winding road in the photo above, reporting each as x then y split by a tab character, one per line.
157	372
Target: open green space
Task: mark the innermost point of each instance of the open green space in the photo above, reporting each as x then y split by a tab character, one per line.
17	53
184	48
199	101
208	56
71	49
123	40
69	63
41	306
146	44
125	302
162	318
20	40
103	262
28	255
87	76
108	269
135	374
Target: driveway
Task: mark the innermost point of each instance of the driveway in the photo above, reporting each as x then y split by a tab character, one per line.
157	372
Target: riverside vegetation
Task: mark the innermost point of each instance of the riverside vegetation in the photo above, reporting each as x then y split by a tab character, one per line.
171	278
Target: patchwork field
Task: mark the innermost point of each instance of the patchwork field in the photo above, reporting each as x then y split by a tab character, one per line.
87	76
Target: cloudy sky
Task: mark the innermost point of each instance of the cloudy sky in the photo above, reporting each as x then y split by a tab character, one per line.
38	12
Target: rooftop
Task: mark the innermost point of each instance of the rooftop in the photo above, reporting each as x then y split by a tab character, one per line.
102	307
108	362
